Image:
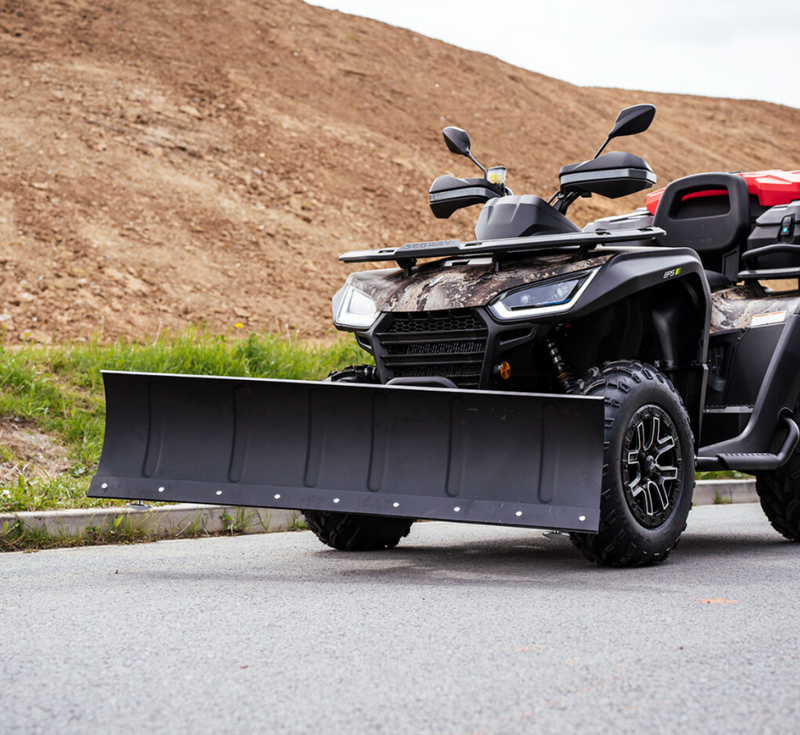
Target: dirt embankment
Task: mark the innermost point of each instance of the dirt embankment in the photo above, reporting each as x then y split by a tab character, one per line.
167	162
25	451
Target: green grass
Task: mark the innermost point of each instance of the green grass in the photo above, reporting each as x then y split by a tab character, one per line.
15	535
59	390
45	493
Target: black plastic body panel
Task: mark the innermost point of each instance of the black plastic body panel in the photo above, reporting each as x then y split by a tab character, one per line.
520	216
639	270
611	175
614	159
447	194
722	348
738	361
751	358
640	274
778	394
723	423
466	345
500	458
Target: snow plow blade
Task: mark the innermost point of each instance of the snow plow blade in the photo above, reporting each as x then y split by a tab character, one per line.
521	459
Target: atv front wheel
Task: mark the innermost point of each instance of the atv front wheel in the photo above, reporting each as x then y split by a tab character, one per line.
648	466
352	532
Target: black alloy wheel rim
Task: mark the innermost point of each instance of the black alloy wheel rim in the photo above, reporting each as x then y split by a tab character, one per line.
651	466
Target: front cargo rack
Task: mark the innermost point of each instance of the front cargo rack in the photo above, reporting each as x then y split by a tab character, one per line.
406	255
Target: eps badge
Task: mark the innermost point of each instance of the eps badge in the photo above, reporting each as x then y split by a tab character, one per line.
673	272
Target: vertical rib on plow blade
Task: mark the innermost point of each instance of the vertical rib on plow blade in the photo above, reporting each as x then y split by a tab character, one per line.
522	459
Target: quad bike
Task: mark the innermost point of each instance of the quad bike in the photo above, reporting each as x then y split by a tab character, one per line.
542	375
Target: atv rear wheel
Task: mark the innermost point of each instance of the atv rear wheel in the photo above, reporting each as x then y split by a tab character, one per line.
779	493
648	466
351	531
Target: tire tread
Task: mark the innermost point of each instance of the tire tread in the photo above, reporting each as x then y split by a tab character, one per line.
779	495
354	532
615	543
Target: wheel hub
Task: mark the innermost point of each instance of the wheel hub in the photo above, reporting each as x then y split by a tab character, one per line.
651	466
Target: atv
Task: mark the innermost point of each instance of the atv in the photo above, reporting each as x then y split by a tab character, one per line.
541	375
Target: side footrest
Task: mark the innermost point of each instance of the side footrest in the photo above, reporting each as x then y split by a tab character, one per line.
754	461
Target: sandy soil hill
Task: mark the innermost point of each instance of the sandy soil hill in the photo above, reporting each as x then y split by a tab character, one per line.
172	161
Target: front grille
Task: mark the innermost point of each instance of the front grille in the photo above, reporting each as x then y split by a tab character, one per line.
449	344
436	321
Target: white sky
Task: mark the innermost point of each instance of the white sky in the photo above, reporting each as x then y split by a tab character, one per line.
718	48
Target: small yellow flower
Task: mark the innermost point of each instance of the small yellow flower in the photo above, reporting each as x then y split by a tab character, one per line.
238	325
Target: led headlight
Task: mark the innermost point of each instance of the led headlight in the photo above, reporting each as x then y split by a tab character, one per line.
355	309
546	297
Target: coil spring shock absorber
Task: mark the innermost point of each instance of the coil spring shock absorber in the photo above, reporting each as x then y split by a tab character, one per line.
563	374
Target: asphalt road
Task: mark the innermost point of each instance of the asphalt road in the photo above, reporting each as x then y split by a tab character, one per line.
462	629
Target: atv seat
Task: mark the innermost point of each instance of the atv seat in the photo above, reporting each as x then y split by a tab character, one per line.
709	213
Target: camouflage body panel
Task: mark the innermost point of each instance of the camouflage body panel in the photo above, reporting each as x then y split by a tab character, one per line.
435	286
734	308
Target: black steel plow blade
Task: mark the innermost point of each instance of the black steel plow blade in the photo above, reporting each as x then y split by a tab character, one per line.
520	459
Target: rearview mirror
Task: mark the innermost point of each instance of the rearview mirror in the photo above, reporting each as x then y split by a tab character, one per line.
457	140
633	120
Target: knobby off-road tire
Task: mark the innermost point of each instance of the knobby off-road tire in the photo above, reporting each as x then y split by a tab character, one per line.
779	493
351	531
648	466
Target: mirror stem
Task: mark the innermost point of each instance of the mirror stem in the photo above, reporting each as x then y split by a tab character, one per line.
601	148
472	158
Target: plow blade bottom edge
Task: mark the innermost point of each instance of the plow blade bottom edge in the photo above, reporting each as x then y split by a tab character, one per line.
521	459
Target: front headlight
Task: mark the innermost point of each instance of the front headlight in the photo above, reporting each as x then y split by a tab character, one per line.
356	309
546	297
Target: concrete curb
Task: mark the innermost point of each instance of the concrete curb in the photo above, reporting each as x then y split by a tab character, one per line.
173	521
709	492
169	521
